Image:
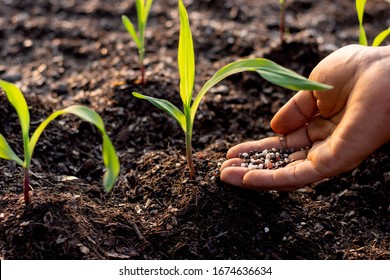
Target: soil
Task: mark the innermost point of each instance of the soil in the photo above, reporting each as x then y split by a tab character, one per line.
77	52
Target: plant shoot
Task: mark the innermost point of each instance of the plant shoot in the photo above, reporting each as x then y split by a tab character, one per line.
269	70
360	5
282	19
143	8
18	101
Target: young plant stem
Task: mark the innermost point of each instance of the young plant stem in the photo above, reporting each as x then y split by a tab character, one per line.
143	81
26	186
282	21
142	66
189	155
27	161
188	132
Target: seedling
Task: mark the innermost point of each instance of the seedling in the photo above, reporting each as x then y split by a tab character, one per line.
143	9
269	70
282	19
360	5
18	101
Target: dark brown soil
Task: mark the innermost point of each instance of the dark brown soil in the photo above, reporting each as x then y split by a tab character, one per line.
77	52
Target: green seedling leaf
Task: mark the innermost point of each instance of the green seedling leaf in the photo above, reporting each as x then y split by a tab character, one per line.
7	153
111	162
140	13
130	28
147	10
286	78
186	58
110	158
167	107
381	37
109	155
268	69
17	100
87	115
360	4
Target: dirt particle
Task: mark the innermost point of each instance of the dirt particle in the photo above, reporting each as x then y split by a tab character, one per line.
84	249
329	233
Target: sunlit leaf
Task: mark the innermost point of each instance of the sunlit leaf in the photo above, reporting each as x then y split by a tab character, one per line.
360	4
362	36
130	28
186	59
140	5
18	101
147	10
110	158
111	162
167	107
88	115
381	37
7	153
286	78
268	69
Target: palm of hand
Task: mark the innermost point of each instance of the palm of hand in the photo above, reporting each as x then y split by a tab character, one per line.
342	126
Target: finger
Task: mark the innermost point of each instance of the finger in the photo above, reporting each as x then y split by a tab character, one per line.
234	176
283	179
295	113
294	176
234	173
231	162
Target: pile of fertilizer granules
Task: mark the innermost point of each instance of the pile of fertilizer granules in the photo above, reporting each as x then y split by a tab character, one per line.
267	159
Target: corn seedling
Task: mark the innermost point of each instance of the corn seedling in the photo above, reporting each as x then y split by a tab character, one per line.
282	19
143	9
186	62
17	100
360	5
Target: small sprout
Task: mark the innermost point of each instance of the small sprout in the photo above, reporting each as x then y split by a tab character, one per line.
360	5
282	19
18	101
143	9
269	70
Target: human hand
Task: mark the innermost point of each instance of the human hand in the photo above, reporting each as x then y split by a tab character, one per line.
343	126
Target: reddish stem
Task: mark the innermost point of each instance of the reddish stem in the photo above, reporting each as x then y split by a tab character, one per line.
26	187
191	165
189	149
143	81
